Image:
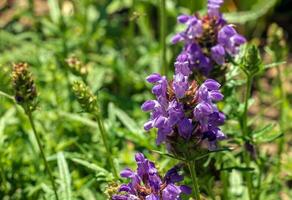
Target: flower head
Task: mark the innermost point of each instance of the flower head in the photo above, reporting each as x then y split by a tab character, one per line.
24	86
183	109
146	184
85	97
208	40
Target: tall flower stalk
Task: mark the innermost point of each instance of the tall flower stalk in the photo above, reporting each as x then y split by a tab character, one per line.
192	169
25	95
88	103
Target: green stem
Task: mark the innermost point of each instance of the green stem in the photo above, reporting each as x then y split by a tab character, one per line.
6	95
282	104
245	133
29	114
192	169
244	115
105	143
259	183
163	36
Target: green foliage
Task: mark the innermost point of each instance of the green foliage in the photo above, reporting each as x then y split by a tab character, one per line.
117	46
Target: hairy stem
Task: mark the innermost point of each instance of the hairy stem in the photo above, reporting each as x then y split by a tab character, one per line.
105	143
192	169
29	114
163	36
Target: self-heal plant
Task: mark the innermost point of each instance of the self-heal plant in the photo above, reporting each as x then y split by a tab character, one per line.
187	119
26	96
147	184
208	41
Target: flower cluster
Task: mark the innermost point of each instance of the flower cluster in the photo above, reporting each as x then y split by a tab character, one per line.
188	111
24	86
146	184
208	40
85	97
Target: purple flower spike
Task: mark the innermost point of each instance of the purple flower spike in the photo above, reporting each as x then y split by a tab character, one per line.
149	185
208	40
170	111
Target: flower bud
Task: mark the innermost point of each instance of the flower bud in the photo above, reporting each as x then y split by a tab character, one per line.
112	189
251	62
84	96
24	86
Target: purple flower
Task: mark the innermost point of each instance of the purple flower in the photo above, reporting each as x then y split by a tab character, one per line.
213	7
207	113
230	39
147	184
218	54
208	40
180	85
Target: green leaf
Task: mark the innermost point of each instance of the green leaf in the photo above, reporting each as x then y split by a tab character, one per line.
266	134
78	118
270	138
65	177
275	64
127	121
168	155
258	10
260	133
89	165
242	169
210	152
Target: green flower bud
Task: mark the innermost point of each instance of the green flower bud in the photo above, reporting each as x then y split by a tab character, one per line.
277	42
112	189
24	86
76	66
85	97
251	62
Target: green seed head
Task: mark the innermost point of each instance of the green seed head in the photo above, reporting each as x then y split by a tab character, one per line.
277	42
84	96
24	86
76	66
251	62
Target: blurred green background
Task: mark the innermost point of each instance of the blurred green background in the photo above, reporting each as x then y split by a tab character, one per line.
117	42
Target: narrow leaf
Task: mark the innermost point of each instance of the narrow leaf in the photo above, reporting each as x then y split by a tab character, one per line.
89	165
64	177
